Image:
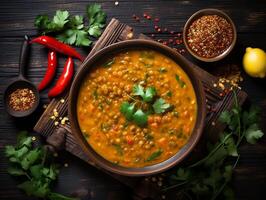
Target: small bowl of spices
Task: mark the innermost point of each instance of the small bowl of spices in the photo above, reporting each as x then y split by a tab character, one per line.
21	97
209	35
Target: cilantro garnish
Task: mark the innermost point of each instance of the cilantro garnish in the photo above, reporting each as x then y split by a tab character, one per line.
154	155
135	113
160	106
71	29
208	178
181	82
30	163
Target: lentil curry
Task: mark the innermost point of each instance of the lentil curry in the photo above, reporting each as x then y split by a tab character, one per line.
137	108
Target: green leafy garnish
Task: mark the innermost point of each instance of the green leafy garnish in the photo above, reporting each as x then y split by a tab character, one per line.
162	70
154	155
30	163
147	95
109	63
208	178
119	149
181	83
140	118
138	90
160	106
128	110
71	29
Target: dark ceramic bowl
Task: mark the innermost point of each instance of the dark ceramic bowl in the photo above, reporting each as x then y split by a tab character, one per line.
106	53
197	15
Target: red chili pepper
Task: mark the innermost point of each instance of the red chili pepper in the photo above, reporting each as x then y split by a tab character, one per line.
64	79
50	72
58	46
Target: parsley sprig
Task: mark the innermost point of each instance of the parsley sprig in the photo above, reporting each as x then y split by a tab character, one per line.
209	177
137	114
72	29
31	164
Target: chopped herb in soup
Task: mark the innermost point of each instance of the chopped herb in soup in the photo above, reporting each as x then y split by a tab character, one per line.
137	108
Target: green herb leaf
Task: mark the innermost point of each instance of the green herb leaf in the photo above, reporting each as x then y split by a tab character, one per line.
162	70
154	155
61	18
181	83
118	149
253	133
140	118
160	106
35	188
30	158
95	30
138	90
109	63
150	93
127	109
15	171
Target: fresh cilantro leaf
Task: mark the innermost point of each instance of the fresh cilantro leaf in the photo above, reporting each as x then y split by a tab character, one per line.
15	171
169	94
251	116
253	133
127	109
30	158
182	174
35	188
160	106
230	145
140	118
95	30
42	22
75	36
225	117
138	90
10	151
36	171
60	18
154	155
200	189
162	70
150	93
181	82
92	11
76	22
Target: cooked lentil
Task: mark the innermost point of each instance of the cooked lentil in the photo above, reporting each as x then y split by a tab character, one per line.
106	128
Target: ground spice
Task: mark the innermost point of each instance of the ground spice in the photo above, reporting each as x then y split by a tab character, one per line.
209	36
21	99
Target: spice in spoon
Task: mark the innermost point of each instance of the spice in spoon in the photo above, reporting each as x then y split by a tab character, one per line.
210	36
21	99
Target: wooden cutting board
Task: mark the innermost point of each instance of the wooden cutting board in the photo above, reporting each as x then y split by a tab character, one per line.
60	137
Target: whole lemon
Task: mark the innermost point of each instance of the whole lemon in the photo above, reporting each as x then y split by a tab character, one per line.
254	62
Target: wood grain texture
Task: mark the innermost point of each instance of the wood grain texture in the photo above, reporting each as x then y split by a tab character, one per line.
16	19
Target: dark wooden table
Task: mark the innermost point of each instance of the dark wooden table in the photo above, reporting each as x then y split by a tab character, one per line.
16	20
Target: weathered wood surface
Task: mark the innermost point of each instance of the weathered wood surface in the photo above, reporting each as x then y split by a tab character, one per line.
16	19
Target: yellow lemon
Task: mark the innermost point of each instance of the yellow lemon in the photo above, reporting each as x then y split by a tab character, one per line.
254	62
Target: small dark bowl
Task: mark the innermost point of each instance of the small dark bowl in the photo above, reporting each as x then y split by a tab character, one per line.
106	53
197	15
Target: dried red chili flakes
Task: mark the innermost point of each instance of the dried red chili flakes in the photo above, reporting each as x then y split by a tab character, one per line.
156	20
210	35
21	99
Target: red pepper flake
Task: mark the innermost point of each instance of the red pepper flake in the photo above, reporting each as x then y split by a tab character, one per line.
170	40
165	29
21	99
179	34
156	19
172	32
177	41
165	42
137	19
159	40
156	27
145	15
152	35
221	94
159	30
148	17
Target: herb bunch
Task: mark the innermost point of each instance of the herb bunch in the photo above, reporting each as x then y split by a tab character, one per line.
31	164
72	29
135	111
209	178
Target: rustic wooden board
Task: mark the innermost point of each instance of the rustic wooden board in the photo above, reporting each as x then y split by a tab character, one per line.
114	32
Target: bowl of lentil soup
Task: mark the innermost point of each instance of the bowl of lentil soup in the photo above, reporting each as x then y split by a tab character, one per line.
137	108
209	35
